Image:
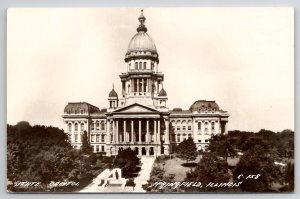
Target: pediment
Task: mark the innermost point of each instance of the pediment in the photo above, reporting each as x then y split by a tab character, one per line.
136	108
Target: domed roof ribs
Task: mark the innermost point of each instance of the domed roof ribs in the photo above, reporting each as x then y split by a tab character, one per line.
142	27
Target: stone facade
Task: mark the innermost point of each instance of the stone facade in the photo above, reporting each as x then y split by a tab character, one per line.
140	119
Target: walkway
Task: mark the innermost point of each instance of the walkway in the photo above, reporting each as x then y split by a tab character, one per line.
144	174
93	187
142	178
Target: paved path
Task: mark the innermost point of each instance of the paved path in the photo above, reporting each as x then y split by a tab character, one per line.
144	174
93	187
142	178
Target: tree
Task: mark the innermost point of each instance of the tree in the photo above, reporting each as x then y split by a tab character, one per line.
187	150
86	147
257	161
220	145
127	160
209	169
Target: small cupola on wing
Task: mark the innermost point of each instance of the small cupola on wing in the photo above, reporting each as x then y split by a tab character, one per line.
162	98
113	99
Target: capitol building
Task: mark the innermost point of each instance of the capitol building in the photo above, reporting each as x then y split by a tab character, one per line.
139	117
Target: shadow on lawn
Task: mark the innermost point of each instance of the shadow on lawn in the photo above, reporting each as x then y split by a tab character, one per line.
189	164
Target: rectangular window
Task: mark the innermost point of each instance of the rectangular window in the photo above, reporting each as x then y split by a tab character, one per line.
97	138
97	148
183	128
92	138
206	140
92	126
199	141
97	126
189	127
102	126
102	138
178	128
178	138
102	148
199	125
76	138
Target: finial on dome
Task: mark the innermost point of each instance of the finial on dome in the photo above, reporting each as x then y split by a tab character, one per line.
142	26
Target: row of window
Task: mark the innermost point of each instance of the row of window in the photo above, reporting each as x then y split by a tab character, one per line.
201	140
76	127
97	148
178	128
96	138
98	126
142	65
206	124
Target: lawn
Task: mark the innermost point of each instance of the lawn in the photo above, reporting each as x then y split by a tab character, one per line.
173	166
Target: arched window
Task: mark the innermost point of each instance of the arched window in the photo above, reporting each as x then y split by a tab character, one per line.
136	65
81	111
152	65
97	125
76	127
70	127
199	125
206	129
140	66
145	65
82	127
212	126
92	126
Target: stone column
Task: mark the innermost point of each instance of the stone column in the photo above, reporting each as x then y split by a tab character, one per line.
72	132
147	132
108	137
113	131
124	131
158	131
147	86
154	133
140	132
167	137
117	131
225	127
132	139
143	85
79	132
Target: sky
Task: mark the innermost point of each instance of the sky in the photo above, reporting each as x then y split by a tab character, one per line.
243	58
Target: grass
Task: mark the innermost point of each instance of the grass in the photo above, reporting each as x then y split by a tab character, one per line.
233	161
174	166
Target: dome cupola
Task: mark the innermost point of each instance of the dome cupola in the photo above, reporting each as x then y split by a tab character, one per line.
141	45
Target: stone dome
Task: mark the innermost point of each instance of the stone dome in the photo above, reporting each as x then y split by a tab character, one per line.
141	41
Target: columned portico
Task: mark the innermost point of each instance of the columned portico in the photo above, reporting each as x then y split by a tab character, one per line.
143	133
